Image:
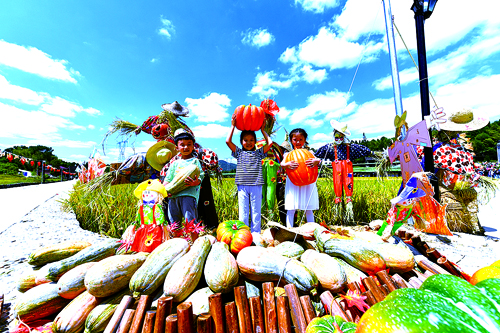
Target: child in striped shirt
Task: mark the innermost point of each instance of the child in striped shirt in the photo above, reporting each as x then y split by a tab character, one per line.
249	178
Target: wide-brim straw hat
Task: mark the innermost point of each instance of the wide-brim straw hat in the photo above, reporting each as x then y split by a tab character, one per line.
176	109
160	153
464	120
340	127
150	185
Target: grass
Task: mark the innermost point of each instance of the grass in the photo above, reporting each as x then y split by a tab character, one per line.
15	179
110	211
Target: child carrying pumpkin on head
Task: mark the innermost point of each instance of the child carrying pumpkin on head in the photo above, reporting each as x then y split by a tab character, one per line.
248	177
182	205
303	197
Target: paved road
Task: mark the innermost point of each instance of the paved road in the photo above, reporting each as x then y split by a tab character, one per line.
16	202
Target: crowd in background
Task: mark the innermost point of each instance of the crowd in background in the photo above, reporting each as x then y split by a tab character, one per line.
488	169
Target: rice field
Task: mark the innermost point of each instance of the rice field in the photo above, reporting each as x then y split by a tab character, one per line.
111	210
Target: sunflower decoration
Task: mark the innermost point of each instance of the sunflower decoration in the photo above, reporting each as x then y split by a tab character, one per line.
149	240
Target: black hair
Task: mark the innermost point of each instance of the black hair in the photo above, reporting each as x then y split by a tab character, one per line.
184	136
297	131
245	133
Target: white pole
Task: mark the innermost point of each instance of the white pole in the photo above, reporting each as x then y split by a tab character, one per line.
389	28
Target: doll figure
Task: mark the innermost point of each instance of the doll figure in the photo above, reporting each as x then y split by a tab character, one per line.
149	229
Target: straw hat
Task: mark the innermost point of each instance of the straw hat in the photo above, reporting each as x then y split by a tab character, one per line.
160	153
463	121
176	109
150	185
340	127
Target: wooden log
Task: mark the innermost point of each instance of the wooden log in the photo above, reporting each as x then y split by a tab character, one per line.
118	314
163	309
307	308
298	318
376	290
402	233
445	264
424	265
270	319
353	286
370	299
185	318
343	305
231	318
149	322
434	267
217	312
386	279
144	304
126	321
244	317
284	320
257	317
399	281
331	305
415	240
351	311
205	323
171	324
428	273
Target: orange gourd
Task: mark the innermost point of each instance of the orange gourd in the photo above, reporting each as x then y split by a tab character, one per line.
303	175
249	117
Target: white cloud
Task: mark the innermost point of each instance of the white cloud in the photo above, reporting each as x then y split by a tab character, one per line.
321	137
257	37
154	60
268	84
210	108
317	6
61	107
313	75
31	60
91	126
20	94
211	131
167	28
326	106
77	157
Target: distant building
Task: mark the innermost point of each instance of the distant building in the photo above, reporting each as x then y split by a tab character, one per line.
25	173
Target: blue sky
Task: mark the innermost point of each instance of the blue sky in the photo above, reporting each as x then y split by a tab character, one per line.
68	68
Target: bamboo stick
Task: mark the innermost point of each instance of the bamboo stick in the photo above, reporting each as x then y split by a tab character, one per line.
284	320
119	312
433	255
332	306
349	311
163	310
217	312
231	318
308	308
399	281
416	282
386	279
370	299
428	273
256	312
149	322
244	317
185	318
171	324
433	266
445	264
205	323
144	303
269	308
425	265
126	321
353	286
298	318
372	286
419	275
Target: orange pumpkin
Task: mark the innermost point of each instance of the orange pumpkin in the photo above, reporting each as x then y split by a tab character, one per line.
249	117
234	233
303	175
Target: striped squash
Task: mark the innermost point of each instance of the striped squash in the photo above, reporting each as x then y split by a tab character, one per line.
39	302
26	282
71	284
221	271
72	318
56	252
112	274
99	317
303	175
177	184
154	270
289	250
331	275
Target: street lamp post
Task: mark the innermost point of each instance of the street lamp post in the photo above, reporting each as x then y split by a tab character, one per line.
423	10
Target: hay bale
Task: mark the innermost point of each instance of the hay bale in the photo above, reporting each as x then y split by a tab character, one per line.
461	210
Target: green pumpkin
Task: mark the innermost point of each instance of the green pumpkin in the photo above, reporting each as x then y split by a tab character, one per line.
326	324
444	303
270	175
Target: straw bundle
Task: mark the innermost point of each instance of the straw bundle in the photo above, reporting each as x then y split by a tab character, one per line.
461	210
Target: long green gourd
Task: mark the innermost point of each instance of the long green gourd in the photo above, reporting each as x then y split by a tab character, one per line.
270	175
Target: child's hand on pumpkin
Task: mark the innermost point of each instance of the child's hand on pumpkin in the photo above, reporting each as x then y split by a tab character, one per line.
233	120
192	181
292	165
312	162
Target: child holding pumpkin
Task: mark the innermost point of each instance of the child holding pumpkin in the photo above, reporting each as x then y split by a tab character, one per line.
248	177
303	197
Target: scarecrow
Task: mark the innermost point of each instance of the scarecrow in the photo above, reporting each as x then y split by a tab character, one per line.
428	215
340	153
149	229
456	171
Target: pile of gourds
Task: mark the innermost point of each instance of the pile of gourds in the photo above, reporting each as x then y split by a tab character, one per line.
82	284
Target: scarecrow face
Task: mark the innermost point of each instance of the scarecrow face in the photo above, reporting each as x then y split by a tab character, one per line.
339	138
149	198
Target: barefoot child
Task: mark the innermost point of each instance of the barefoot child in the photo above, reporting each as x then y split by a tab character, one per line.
300	197
249	174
